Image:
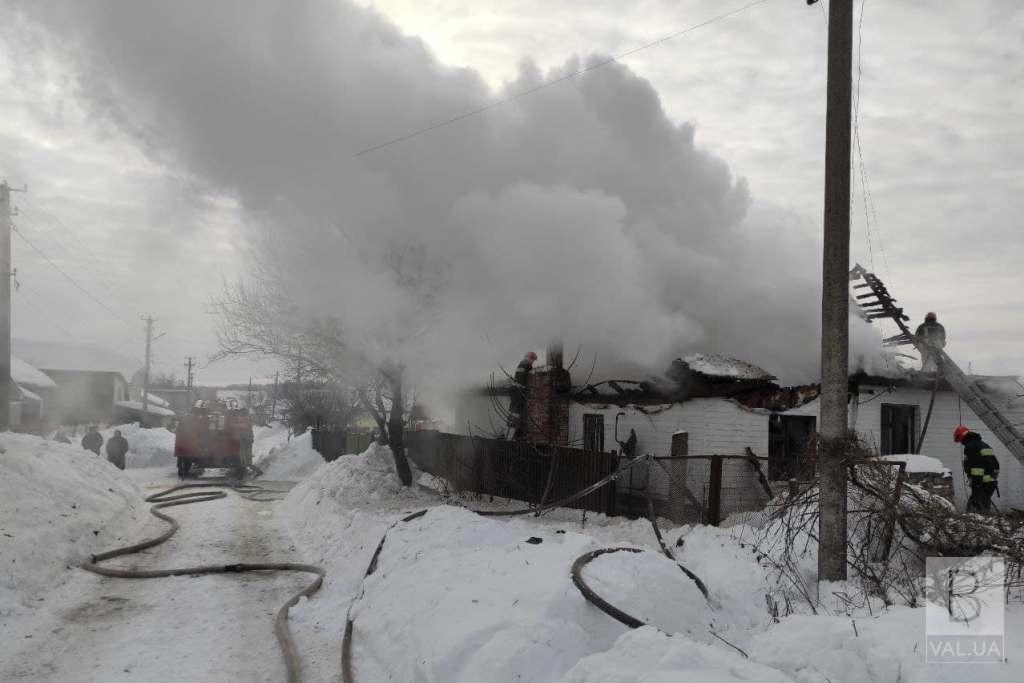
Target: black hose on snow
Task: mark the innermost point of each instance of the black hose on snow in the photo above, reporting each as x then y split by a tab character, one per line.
163	499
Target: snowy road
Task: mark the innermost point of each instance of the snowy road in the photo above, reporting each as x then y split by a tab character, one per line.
212	628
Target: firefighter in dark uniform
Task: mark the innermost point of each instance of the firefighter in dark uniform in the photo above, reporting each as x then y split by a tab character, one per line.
517	404
932	333
981	467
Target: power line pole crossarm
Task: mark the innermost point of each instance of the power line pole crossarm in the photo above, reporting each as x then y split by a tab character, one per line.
835	332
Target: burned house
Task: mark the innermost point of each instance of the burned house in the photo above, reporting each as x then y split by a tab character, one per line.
711	405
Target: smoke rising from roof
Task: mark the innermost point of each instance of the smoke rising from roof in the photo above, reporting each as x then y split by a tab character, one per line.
581	211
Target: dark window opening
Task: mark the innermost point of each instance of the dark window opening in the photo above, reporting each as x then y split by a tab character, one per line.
899	428
593	432
788	436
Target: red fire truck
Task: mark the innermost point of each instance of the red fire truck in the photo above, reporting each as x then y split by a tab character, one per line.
214	434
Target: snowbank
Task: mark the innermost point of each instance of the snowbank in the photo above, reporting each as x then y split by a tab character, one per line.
58	504
920	463
648	655
285	460
146	447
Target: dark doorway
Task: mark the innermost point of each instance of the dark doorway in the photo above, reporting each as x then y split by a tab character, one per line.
593	432
899	428
787	444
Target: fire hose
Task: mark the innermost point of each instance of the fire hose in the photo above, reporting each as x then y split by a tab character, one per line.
164	499
347	673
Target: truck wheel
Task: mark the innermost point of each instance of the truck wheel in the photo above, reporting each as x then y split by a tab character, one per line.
183	467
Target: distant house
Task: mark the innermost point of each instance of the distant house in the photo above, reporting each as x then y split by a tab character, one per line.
89	381
710	405
32	393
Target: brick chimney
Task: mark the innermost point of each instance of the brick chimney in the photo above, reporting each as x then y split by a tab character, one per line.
547	406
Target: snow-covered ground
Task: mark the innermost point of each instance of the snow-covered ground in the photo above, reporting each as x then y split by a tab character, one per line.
460	597
282	458
58	503
456	596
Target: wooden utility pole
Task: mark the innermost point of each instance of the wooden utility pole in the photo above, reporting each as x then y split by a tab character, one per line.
273	399
835	298
5	306
149	320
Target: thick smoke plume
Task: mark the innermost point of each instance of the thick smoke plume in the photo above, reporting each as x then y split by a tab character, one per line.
580	211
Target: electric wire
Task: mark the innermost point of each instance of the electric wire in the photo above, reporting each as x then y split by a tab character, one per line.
68	277
561	79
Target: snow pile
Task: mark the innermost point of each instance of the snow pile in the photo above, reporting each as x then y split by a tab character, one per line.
146	447
284	459
502	608
920	463
647	655
57	502
714	365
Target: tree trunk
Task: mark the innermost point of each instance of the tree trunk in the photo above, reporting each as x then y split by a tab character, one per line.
396	426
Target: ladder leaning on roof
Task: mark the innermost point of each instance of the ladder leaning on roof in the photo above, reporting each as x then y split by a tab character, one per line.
878	303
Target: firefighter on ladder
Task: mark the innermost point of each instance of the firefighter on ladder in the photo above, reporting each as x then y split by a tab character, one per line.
517	403
932	334
981	467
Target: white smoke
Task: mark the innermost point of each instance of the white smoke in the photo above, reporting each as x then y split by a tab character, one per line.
580	211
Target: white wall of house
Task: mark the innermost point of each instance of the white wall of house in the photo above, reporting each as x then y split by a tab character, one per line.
721	426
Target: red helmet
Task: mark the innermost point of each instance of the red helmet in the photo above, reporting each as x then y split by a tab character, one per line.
931	316
959	433
531	356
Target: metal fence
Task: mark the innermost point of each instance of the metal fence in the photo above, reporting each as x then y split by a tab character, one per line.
333	443
534	473
707	489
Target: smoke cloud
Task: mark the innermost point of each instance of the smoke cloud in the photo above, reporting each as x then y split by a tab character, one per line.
581	211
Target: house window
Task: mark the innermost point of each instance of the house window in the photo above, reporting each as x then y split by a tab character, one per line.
899	428
593	432
787	444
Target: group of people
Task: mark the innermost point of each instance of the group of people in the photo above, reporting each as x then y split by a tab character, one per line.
117	445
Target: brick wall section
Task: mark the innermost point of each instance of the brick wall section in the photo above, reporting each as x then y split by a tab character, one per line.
547	406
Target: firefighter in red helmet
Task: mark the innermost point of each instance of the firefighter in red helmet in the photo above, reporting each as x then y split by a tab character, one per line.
933	335
981	467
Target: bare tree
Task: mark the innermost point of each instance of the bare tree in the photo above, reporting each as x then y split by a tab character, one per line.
258	318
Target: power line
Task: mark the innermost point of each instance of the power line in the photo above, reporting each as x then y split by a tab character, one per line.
85	257
68	277
555	81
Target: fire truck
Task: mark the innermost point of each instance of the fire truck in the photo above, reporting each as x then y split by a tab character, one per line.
215	434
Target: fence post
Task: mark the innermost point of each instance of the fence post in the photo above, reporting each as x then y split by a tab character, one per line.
715	491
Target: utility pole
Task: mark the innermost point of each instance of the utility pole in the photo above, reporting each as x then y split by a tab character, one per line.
835	298
5	306
145	373
189	361
273	398
149	320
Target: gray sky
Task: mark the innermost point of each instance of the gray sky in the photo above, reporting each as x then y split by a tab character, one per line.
148	226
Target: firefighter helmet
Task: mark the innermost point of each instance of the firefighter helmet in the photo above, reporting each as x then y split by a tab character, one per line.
959	433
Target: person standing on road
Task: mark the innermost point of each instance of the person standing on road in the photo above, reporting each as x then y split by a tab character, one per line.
117	448
92	441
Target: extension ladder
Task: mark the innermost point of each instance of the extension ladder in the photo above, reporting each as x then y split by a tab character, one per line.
878	303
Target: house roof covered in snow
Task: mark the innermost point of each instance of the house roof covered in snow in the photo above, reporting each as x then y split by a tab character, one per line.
714	365
27	375
151	409
48	355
